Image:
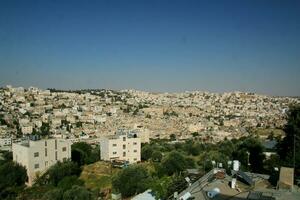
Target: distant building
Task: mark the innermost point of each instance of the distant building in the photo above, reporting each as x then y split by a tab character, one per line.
122	146
5	141
27	129
142	133
38	155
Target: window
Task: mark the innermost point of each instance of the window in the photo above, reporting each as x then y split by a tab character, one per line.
124	146
64	149
134	143
46	164
36	166
64	159
36	154
135	159
55	144
124	154
124	138
45	143
46	152
114	152
55	155
114	145
135	150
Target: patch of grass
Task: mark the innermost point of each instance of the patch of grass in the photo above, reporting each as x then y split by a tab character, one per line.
264	132
101	182
97	176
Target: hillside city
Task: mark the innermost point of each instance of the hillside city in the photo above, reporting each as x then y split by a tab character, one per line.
94	113
149	100
129	144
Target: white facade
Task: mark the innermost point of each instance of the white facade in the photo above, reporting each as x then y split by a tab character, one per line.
38	156
5	142
121	147
143	134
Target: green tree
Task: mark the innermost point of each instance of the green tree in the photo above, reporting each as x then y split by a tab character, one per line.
83	153
241	154
165	187
178	184
58	172
270	165
7	156
67	182
146	152
12	176
55	194
45	129
192	148
160	186
132	180
256	156
77	193
292	132
156	156
207	157
175	162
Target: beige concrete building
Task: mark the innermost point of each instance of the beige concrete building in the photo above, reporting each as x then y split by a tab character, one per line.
26	129
121	147
38	155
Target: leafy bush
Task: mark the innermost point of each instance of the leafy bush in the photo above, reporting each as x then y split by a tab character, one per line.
132	180
58	172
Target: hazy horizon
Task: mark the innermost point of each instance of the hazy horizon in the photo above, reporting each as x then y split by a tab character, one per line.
155	46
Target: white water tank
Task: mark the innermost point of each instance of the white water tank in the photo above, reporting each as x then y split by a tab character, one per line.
185	196
175	195
212	193
229	163
233	183
213	163
236	165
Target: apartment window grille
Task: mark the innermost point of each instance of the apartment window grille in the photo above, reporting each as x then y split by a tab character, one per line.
36	154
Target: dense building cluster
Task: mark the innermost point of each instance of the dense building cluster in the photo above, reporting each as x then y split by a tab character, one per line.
88	114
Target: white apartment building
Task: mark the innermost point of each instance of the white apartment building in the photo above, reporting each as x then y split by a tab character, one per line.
121	147
5	142
38	155
141	133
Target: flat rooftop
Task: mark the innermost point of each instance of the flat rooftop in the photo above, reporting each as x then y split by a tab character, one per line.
262	190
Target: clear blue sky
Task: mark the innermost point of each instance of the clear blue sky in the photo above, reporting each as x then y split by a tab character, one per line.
213	45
